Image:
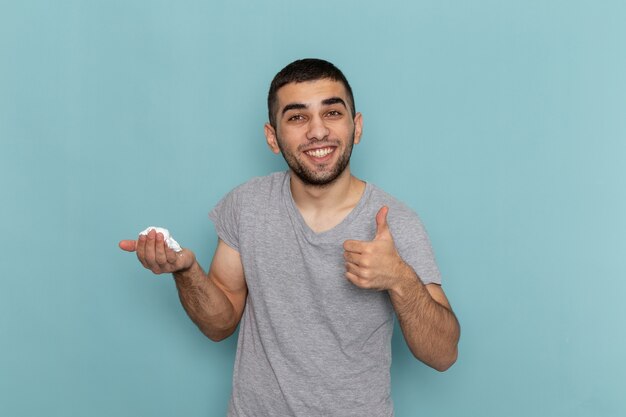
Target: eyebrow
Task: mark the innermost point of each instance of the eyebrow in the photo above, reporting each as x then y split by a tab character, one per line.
325	102
334	100
293	106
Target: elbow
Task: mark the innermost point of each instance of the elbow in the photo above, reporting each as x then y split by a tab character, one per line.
440	362
445	362
217	338
449	354
217	334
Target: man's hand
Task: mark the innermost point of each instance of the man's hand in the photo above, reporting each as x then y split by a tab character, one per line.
156	256
375	264
428	324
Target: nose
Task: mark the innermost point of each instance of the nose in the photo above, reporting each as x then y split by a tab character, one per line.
317	129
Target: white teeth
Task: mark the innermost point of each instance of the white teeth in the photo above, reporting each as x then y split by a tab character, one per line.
319	153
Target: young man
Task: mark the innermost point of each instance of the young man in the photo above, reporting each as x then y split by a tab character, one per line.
313	262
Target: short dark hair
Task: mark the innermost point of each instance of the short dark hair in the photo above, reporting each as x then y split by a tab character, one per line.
302	70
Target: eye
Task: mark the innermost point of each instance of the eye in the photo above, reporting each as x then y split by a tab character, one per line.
295	118
333	113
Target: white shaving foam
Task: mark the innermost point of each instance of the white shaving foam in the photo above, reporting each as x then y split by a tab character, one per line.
169	240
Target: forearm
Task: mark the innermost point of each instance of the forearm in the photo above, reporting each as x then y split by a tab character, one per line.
430	329
205	303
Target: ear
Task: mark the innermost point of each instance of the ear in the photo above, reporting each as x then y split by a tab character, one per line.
358	127
270	137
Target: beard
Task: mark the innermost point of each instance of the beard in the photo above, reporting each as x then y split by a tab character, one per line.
324	174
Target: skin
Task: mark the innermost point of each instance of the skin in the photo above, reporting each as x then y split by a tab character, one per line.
428	324
314	116
214	301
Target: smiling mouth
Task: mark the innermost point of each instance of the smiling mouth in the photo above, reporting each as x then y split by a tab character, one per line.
320	152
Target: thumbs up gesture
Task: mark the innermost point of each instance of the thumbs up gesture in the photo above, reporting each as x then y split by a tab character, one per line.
374	264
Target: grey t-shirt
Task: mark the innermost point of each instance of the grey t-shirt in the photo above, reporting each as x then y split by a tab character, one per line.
310	342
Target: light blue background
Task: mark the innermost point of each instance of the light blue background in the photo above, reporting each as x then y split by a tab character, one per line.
502	123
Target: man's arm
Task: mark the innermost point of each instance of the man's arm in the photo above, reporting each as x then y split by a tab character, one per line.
430	328
428	324
214	301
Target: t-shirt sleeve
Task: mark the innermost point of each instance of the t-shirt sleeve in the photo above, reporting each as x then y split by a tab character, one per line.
414	246
225	215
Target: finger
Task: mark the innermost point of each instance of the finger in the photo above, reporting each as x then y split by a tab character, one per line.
159	250
141	250
352	278
353	269
352	257
150	249
355	246
356	280
128	245
171	255
382	228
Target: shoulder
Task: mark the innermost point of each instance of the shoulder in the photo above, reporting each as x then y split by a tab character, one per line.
397	209
243	204
258	187
404	222
409	235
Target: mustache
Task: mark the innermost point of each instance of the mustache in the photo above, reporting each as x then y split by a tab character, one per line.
317	142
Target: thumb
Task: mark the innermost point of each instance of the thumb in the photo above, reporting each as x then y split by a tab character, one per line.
382	228
128	245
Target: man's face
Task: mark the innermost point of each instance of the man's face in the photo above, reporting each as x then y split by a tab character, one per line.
315	130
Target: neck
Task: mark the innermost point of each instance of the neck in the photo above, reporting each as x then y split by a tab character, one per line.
344	192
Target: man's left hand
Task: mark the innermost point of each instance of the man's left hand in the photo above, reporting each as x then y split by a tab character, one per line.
374	264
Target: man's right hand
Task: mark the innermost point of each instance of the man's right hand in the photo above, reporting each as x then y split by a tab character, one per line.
155	255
